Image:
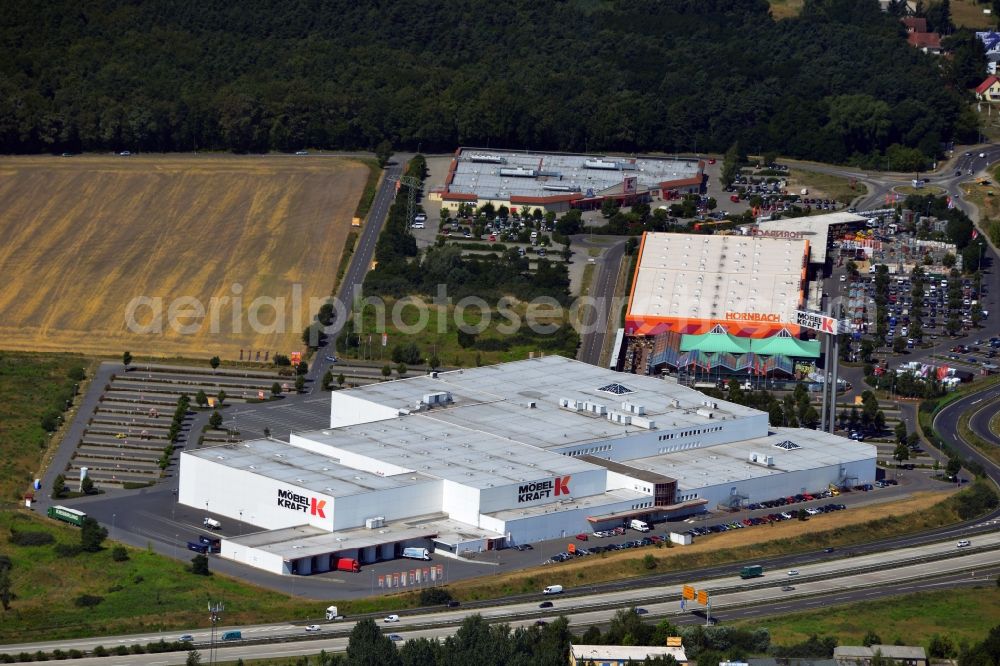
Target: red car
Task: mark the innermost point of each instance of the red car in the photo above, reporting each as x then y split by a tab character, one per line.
582	537
711	161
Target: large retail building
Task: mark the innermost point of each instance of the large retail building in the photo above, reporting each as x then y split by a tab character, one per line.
487	457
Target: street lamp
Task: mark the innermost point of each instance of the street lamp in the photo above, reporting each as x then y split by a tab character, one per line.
241	522
113	520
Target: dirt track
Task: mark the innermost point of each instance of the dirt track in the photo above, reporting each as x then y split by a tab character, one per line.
83	237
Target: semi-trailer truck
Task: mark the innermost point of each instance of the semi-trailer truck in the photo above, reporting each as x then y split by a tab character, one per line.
416	553
752	571
332	614
348	564
66	515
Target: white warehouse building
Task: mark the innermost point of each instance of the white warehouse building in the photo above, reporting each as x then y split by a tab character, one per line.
489	457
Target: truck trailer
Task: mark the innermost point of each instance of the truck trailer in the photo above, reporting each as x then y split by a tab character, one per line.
752	571
416	553
66	515
214	544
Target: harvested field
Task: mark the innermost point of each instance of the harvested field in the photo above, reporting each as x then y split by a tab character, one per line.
86	236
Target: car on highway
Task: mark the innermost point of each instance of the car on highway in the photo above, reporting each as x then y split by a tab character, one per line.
186	638
391	618
793	572
787	588
545	604
964	543
395	638
312	628
982	154
331	359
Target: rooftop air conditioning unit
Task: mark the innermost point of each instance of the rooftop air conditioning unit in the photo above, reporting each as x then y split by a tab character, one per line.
706	413
620	418
375	523
753	457
567	403
769	460
643	422
675	403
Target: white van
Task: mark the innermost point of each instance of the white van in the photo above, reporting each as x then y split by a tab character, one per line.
552	589
638	525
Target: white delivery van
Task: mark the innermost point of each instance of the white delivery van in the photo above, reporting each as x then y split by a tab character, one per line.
552	589
638	525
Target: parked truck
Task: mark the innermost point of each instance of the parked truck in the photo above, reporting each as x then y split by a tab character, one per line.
66	515
332	614
416	553
214	544
212	524
752	571
348	564
198	547
638	525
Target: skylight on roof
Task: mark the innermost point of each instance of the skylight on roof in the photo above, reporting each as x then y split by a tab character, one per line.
615	388
788	445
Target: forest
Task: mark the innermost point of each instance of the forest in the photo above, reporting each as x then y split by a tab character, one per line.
838	83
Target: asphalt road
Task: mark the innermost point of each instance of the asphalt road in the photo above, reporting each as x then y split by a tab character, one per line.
946	424
354	278
603	293
979	422
906	568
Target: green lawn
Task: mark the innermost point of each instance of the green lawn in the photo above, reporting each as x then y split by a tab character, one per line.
961	614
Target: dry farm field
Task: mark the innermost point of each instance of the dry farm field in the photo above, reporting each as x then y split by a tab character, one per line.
97	250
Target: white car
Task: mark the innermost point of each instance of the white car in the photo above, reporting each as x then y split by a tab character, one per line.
793	572
312	627
811	511
964	543
391	618
982	154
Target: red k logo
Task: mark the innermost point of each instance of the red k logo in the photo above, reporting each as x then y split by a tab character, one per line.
562	485
316	508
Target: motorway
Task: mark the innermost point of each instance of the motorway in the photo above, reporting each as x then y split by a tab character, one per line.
859	577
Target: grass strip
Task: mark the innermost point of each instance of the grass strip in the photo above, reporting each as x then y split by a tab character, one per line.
371	187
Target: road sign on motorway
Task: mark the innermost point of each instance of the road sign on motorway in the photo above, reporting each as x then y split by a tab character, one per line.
687	592
702	597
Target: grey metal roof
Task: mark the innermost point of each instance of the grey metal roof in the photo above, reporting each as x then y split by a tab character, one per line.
498	399
555	174
292	465
724	463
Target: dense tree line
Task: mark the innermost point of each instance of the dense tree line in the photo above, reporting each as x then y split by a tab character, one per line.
837	83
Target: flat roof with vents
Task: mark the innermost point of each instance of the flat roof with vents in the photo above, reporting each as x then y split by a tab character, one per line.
694	281
494	401
305	469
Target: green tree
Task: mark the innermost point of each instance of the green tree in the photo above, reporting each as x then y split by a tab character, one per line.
898	345
59	487
275	389
434	362
401	369
200	398
871	638
87	485
900	431
6	592
901	453
327	380
341	379
221	397
92	535
76	374
193	658
300	384
386	370
953	467
119	554
126	359
215	420
302	368
383	151
199	565
214	362
368	647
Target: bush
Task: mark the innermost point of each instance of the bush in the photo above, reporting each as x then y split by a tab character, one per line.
41	656
75	654
649	562
434	596
19	538
100	651
87	600
121	650
137	649
119	554
59	654
24	656
976	500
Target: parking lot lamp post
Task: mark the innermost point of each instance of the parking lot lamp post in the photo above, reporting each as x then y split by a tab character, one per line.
113	519
241	522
